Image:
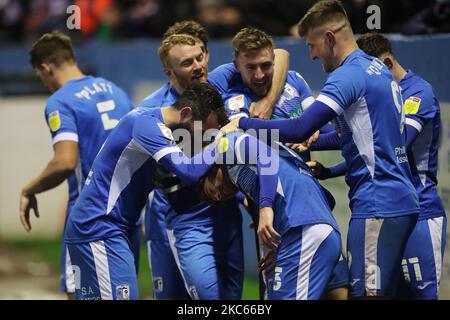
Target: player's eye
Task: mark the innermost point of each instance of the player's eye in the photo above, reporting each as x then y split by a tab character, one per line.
187	63
266	66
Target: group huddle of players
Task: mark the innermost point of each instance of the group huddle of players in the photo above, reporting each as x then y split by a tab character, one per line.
124	163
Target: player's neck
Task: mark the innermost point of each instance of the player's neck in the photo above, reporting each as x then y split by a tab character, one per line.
345	50
170	115
398	72
68	72
178	88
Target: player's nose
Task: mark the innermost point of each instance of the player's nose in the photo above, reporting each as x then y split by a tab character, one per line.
258	74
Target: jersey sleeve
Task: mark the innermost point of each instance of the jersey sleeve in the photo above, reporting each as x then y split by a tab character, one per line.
222	76
306	96
250	150
154	137
237	105
61	121
420	108
343	87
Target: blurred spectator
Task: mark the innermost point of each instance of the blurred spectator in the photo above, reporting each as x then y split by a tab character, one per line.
433	19
98	18
109	20
12	15
45	16
146	18
220	17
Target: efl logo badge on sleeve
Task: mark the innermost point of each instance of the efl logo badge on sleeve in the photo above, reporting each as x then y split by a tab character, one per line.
54	121
412	105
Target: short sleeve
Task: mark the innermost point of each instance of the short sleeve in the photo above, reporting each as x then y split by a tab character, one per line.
343	88
420	108
154	137
61	121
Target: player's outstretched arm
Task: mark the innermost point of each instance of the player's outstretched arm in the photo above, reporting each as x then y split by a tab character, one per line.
267	164
322	173
190	170
326	141
64	161
263	108
292	130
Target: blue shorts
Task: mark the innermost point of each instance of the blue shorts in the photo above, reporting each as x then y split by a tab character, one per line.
374	249
167	279
104	269
305	261
422	259
67	282
211	258
340	276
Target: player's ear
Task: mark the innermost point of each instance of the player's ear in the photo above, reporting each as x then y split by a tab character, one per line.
330	39
167	72
388	62
46	68
186	114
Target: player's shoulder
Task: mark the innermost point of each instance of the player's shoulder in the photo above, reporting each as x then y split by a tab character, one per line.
226	67
295	75
419	95
146	118
156	99
57	101
224	76
421	85
296	79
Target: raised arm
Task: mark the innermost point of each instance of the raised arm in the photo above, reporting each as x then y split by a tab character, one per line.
263	108
294	130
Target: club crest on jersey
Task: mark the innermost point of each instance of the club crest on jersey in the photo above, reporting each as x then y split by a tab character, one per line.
54	121
412	105
123	292
236	103
165	131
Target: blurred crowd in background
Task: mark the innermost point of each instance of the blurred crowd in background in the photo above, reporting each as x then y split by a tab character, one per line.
109	20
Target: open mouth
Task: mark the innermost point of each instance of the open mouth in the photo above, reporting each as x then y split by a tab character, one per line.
198	77
259	84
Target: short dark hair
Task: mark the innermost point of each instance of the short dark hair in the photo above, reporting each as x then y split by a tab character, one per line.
374	44
190	27
321	13
54	47
203	99
251	38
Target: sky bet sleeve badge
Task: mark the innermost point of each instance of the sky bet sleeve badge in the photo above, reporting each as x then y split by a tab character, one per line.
412	105
54	121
